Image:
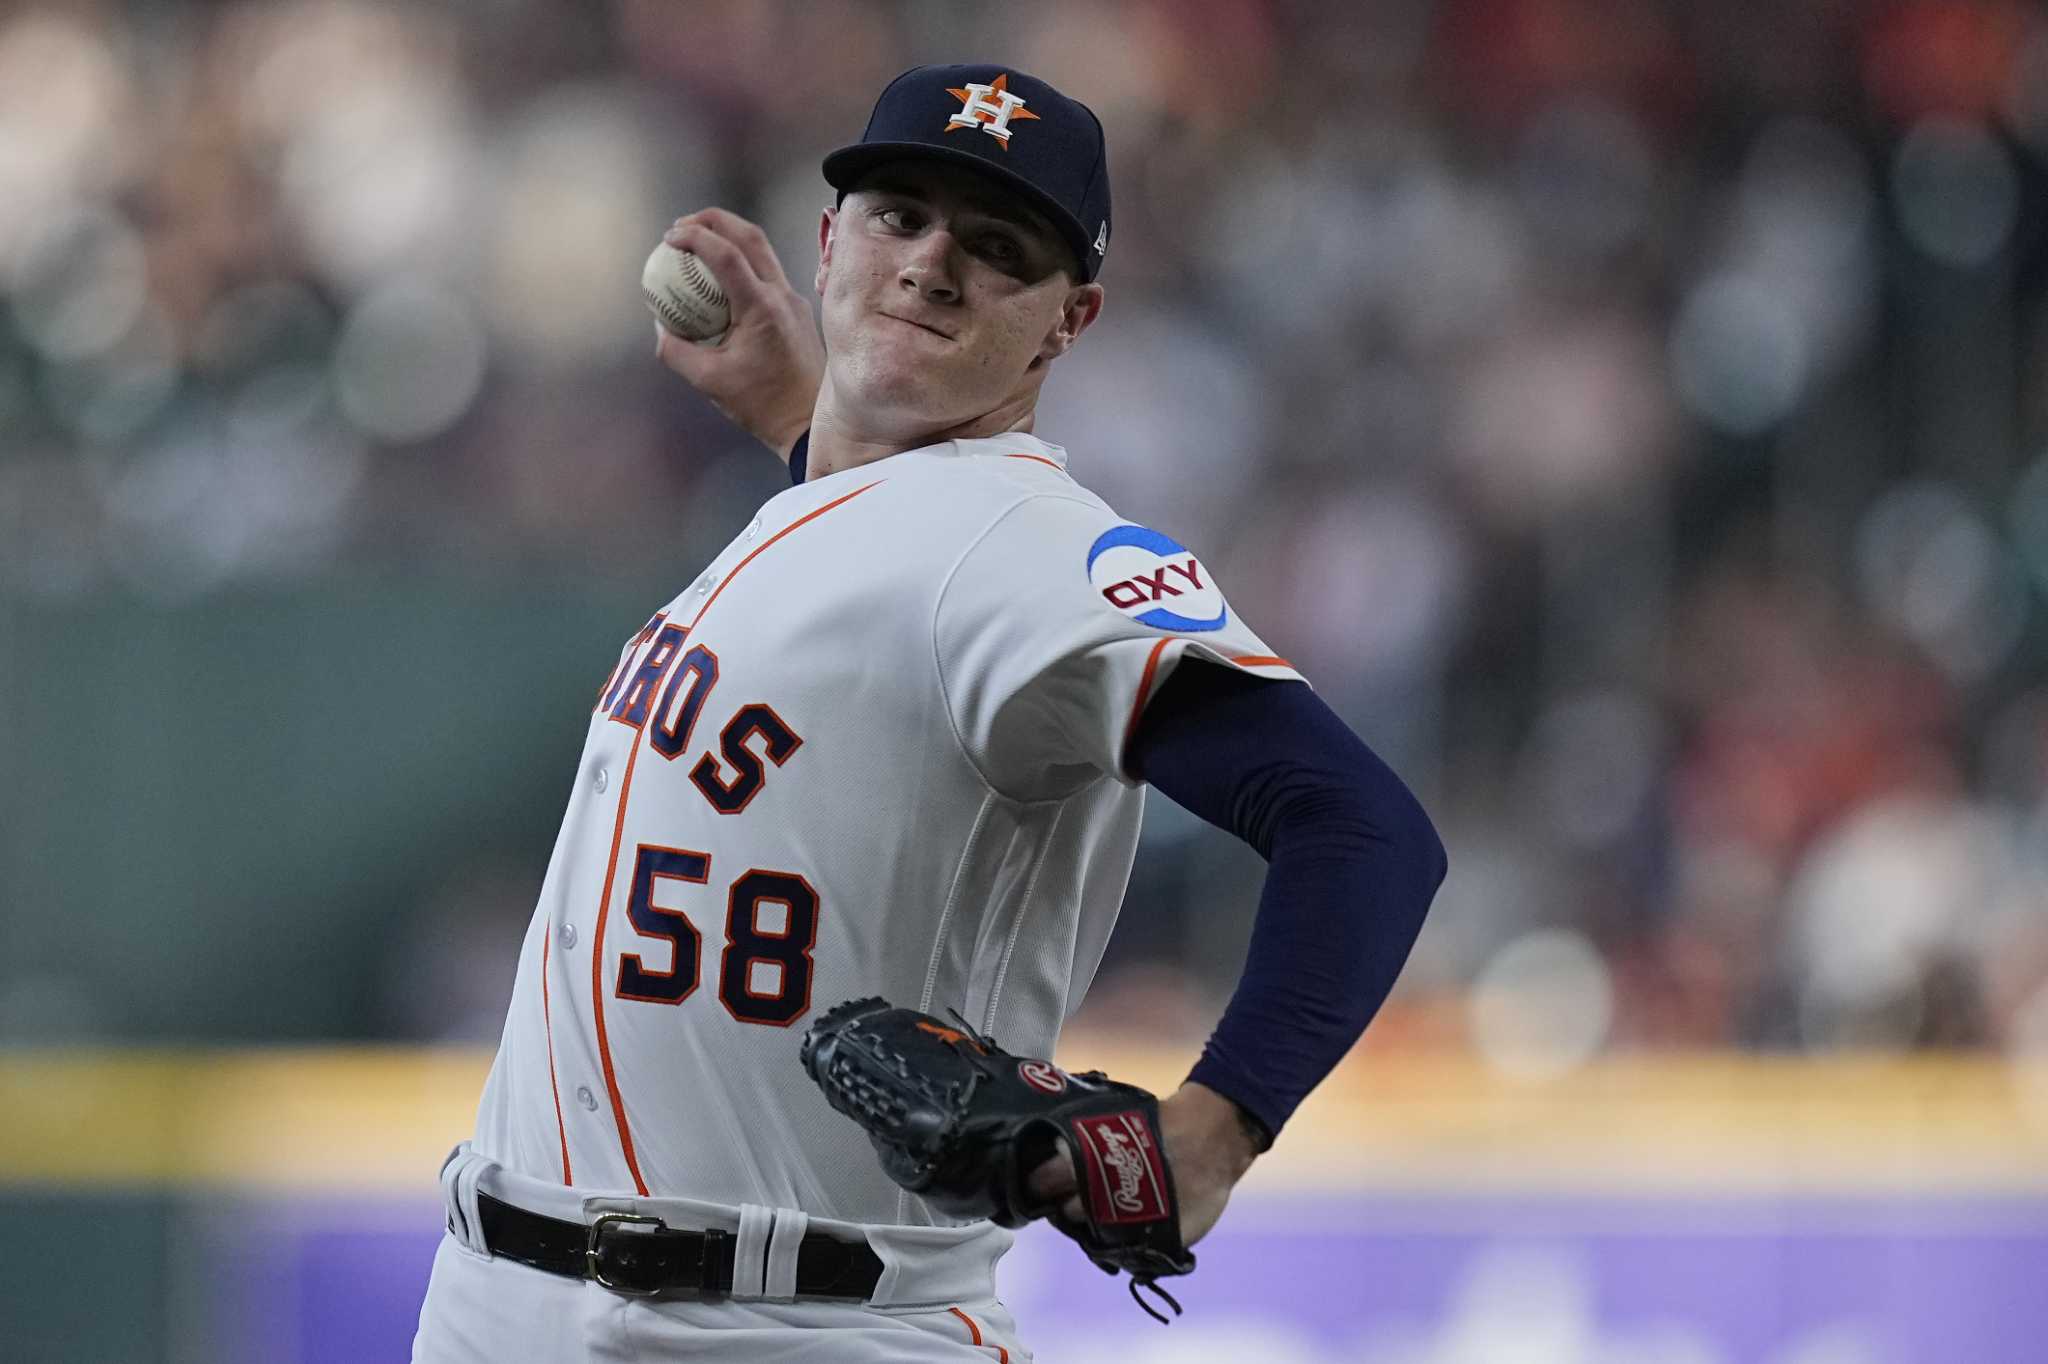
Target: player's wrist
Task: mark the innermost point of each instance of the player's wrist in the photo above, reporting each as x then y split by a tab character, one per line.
1223	1126
783	437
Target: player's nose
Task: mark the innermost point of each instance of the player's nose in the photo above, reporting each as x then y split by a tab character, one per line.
930	267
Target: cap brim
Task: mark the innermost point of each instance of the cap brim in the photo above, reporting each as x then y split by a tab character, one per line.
844	168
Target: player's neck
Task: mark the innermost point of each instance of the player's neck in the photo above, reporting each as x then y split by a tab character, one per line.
837	444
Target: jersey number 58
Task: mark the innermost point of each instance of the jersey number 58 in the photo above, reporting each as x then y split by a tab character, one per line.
771	925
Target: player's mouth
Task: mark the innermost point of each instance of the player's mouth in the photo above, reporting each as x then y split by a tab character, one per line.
921	326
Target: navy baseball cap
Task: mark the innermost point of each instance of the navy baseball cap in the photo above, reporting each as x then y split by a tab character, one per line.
1013	128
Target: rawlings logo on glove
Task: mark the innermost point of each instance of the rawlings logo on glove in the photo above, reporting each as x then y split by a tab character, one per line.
962	1122
1122	1145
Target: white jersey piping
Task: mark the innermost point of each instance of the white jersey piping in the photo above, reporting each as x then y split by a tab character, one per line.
931	971
995	991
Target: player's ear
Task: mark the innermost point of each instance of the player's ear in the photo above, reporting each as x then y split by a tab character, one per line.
826	222
1082	306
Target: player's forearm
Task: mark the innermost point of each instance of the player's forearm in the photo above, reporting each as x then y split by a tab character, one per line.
1345	897
1354	864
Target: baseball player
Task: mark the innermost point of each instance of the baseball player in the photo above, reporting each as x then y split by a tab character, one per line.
893	740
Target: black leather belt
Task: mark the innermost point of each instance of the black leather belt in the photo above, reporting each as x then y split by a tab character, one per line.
634	1254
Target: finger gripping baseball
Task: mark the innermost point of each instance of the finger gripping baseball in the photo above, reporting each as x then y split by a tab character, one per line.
963	1123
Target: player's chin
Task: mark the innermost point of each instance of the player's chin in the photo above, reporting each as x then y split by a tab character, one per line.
893	381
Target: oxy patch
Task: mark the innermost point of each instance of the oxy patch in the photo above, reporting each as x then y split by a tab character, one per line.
1155	580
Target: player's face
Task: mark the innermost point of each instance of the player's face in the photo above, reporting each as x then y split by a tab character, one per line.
945	299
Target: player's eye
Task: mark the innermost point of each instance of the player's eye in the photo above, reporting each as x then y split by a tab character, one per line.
902	219
1001	248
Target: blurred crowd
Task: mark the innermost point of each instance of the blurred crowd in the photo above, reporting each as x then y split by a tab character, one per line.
1633	416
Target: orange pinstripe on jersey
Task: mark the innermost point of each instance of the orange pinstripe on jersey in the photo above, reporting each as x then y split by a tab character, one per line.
597	959
1144	691
1152	667
611	868
1040	458
974	1334
763	546
548	1026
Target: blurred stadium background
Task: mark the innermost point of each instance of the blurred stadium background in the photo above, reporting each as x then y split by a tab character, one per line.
1633	416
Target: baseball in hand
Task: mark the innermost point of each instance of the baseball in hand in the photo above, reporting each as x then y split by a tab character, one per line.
684	294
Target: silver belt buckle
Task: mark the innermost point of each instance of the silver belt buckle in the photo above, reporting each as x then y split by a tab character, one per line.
594	1267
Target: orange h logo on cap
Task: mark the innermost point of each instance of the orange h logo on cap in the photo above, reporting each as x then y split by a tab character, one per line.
990	108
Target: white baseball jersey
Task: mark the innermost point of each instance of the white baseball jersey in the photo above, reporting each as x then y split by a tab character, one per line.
876	749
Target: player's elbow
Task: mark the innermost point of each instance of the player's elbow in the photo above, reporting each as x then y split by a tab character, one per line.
1417	849
1421	834
1400	820
1375	807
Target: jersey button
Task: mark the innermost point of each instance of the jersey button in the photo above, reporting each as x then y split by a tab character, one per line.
753	529
586	1098
568	935
601	780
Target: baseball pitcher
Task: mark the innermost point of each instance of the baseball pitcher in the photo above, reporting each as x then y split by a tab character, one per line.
856	811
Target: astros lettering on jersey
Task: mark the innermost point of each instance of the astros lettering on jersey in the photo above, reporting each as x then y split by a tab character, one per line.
876	748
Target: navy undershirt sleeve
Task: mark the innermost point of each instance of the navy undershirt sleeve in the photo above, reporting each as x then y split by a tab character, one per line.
1353	863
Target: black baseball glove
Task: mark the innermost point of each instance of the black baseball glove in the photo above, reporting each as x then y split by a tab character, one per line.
964	1123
